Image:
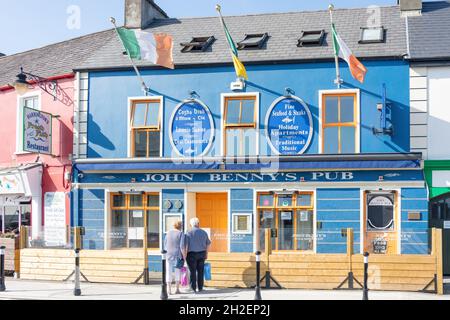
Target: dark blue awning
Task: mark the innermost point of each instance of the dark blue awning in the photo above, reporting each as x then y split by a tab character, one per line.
146	166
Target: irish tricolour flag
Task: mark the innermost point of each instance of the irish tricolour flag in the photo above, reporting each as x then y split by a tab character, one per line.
156	48
357	69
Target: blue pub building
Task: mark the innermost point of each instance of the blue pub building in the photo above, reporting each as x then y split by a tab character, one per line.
285	150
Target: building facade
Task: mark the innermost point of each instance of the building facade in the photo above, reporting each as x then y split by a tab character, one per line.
288	152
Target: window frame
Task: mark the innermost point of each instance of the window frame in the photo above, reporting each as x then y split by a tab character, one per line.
295	209
356	121
128	208
195	42
254	45
383	35
19	127
311	43
132	101
225	97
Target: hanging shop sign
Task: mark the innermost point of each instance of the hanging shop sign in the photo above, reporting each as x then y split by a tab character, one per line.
55	219
289	126
37	131
11	184
191	129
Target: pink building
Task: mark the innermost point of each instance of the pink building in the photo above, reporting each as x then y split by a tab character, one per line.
35	186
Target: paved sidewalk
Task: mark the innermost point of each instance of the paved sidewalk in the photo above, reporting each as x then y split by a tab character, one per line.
39	290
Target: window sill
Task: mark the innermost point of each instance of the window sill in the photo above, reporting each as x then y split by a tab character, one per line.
18	153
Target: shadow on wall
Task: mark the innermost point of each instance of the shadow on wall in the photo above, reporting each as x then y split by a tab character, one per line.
96	137
398	112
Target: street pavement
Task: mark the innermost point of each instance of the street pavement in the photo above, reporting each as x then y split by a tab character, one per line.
40	290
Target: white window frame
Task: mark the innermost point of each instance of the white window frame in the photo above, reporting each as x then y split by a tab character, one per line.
223	97
19	121
129	126
249	221
357	116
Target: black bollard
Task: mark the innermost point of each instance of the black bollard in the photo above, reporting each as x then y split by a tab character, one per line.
2	269
77	290
164	295
366	276
258	276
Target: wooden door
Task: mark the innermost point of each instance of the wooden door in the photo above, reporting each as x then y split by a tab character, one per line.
212	211
381	230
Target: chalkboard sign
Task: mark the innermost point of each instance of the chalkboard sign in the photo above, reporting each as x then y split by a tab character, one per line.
289	126
191	129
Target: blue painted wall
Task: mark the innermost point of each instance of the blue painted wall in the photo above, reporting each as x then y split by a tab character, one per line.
241	202
109	92
414	234
337	209
91	215
172	195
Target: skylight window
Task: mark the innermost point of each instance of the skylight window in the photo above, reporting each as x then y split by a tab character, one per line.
311	38
372	35
198	44
253	41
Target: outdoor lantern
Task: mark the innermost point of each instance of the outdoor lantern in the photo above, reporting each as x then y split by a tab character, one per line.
21	84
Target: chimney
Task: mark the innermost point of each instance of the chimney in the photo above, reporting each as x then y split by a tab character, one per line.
410	8
141	13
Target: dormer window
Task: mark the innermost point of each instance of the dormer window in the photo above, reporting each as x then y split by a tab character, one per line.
198	44
253	41
372	35
311	38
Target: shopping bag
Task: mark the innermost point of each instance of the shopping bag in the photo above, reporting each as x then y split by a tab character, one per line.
184	277
207	271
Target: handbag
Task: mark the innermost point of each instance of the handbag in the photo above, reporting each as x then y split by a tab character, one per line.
180	263
207	271
184	277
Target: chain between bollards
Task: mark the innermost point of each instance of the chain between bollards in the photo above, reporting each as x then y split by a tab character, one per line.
164	295
2	269
258	276
366	276
77	290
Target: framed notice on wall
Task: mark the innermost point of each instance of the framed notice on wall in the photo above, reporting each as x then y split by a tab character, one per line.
37	131
170	220
242	223
55	231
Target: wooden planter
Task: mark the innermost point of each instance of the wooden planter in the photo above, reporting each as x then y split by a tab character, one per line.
12	254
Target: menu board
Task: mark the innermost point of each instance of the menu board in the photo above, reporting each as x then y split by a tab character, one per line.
55	219
289	126
192	129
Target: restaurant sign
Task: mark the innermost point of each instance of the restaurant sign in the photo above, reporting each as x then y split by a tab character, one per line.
37	131
289	126
191	129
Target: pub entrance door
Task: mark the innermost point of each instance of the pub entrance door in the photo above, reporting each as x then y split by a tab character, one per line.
440	218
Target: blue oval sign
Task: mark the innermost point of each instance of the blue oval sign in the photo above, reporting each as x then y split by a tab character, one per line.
192	129
289	126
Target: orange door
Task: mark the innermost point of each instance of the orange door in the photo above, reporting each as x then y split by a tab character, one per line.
212	211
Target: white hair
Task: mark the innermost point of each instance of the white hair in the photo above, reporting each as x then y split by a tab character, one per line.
194	222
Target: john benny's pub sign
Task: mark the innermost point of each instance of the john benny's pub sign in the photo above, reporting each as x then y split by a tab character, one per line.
289	127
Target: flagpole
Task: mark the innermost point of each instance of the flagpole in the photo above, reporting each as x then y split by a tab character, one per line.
218	9
141	79
338	80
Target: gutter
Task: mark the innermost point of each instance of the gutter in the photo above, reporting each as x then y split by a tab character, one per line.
54	78
225	64
303	158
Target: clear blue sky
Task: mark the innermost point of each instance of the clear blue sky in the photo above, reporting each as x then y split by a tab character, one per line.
28	24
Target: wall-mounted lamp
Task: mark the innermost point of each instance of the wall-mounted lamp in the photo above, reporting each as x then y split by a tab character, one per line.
25	79
193	94
289	92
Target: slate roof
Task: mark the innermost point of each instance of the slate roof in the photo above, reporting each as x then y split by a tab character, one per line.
52	60
284	30
429	34
103	50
